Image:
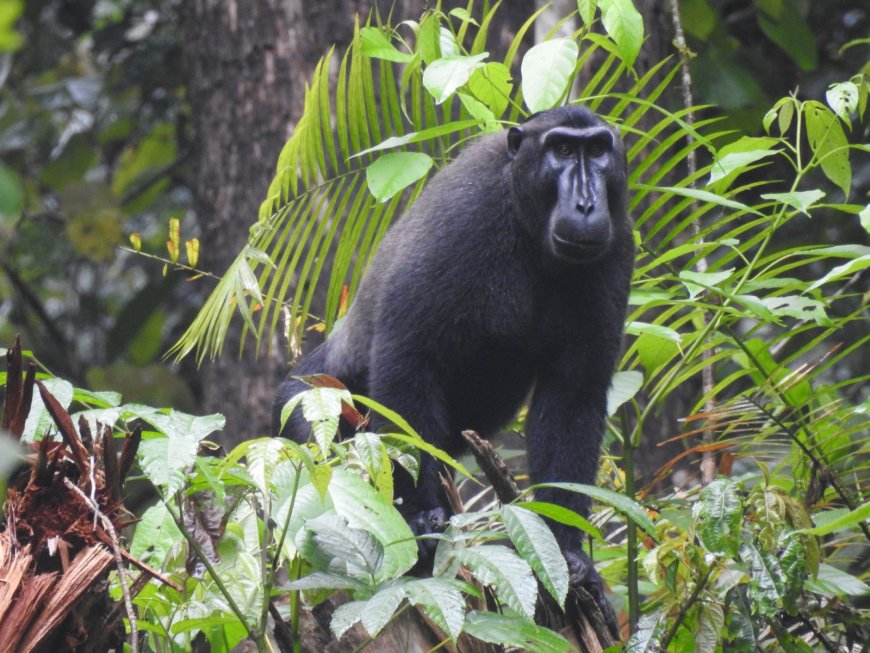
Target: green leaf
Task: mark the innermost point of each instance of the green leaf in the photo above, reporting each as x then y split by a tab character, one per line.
165	461
331	545
647	636
394	172
697	282
345	616
766	588
624	24
321	407
623	387
365	508
845	270
491	84
587	11
831	581
442	600
381	607
547	71
428	37
781	22
444	76
864	216
425	135
262	457
701	195
843	99
853	518
503	570
711	621
11	193
514	630
376	43
829	144
156	535
801	200
737	156
563	516
620	502
38	419
536	543
719	514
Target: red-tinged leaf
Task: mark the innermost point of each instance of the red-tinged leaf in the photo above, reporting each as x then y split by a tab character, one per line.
65	426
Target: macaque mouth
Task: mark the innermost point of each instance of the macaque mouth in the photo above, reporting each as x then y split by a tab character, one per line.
577	249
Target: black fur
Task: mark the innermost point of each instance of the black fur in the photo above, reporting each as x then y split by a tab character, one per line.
509	274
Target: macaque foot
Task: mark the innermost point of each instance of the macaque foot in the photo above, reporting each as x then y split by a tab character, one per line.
582	573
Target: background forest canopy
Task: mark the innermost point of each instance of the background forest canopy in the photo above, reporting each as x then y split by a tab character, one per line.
147	206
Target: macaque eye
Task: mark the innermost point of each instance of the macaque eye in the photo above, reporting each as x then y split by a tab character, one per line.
564	150
596	149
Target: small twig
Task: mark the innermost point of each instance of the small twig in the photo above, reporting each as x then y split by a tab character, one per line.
708	461
684	609
119	562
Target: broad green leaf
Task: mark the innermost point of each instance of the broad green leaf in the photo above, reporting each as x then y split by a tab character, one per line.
843	99
321	408
793	563
381	607
698	282
345	616
801	200
365	508
718	515
428	38
736	156
765	579
587	10
547	71
632	509
156	535
262	457
491	84
178	424
864	216
831	581
375	43
442	600
38	420
848	520
394	172
653	351
845	270
740	635
11	193
647	636
516	631
666	333
563	516
536	543
829	144
781	21
507	573
711	621
624	24
331	545
318	580
623	387
165	460
480	111
444	76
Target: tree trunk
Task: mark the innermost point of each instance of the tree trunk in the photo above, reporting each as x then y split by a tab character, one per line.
248	61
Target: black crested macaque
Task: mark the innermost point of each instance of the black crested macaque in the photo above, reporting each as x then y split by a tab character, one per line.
509	274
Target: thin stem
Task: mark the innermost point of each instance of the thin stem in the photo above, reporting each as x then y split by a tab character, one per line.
684	609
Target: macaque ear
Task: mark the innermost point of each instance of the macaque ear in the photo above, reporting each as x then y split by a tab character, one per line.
515	138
